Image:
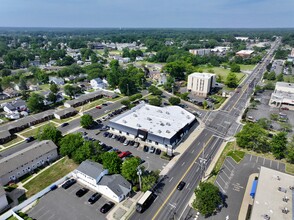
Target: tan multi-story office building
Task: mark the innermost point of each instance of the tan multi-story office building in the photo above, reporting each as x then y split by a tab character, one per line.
200	84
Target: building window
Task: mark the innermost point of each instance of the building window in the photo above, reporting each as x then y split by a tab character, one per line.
120	132
156	143
128	133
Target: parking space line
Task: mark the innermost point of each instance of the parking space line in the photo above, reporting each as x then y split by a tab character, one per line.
187	185
183	163
230	164
192	151
263	161
250	157
257	159
270	163
222	179
220	186
171	179
225	174
278	165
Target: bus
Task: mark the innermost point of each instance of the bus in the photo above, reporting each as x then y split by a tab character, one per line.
145	201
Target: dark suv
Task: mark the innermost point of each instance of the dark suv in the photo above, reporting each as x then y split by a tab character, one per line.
68	183
94	198
106	207
181	185
81	192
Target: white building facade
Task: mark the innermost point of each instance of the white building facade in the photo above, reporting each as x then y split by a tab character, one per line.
283	96
200	84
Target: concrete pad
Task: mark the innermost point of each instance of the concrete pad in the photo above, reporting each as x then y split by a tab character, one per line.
119	213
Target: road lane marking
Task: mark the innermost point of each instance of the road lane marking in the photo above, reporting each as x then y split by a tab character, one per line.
257	159
183	163
220	187
270	163
231	164
187	185
278	165
192	151
250	157
263	161
189	168
171	179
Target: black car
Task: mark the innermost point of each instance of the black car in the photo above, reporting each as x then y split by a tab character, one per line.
30	139
137	144
81	192
64	124
105	134
158	151
117	137
146	148
106	207
122	139
99	121
110	135
181	185
104	104
68	183
107	148
94	198
131	143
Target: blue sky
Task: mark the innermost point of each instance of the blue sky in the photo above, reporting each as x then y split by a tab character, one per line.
147	13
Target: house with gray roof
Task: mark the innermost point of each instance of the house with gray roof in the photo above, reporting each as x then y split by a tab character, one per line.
92	175
5	136
15	165
65	113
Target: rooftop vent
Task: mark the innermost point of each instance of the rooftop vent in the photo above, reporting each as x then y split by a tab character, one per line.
159	131
282	189
149	119
161	123
138	125
182	112
167	113
159	111
124	121
135	115
188	117
147	108
167	123
167	131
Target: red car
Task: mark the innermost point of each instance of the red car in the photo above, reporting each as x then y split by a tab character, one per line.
98	107
284	108
124	154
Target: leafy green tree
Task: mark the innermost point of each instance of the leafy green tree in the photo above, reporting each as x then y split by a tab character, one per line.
87	121
54	88
94	58
235	68
156	101
49	132
52	97
231	80
70	143
23	83
207	198
129	169
286	127
290	150
264	123
83	153
149	180
112	162
174	100
253	137
25	95
127	86
280	77
269	86
126	102
154	90
205	104
176	69
71	90
271	76
5	72
36	103
279	144
274	117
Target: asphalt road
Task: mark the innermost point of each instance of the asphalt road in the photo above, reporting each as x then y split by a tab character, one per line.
172	204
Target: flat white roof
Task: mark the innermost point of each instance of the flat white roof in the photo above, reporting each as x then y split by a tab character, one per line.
161	121
269	197
284	85
201	75
247	52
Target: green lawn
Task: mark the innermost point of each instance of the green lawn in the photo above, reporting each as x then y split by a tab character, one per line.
220	71
33	131
220	100
12	218
13	141
49	176
247	67
236	155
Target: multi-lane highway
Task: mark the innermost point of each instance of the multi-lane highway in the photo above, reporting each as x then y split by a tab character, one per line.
172	203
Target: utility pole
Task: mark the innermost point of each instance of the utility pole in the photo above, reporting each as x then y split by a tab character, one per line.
139	173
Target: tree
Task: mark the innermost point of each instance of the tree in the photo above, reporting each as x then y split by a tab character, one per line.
54	88
129	169
271	76
290	150
22	83
87	121
127	86
235	68
264	123
253	137
36	103
280	77
231	81
71	90
279	144
174	100
207	198
52	97
156	101
205	104
149	180
70	143
112	162
83	153
154	90
49	132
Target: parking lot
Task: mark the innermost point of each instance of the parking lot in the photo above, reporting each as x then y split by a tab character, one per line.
232	181
62	204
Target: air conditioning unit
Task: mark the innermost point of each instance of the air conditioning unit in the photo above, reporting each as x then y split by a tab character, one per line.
167	131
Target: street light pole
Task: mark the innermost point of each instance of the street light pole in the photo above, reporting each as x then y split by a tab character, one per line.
139	173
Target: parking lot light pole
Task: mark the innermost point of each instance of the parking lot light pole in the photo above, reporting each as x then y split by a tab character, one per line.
139	173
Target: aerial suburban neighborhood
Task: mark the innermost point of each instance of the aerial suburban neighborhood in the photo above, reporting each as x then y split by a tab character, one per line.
145	123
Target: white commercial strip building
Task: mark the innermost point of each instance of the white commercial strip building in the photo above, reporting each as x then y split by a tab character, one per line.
163	127
273	196
283	96
92	175
200	84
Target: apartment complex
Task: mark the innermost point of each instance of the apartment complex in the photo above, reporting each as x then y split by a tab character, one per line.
200	84
200	52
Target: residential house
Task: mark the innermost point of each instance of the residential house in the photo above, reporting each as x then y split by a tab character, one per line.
59	97
65	113
92	174
3	96
3	199
56	80
34	87
5	136
84	86
13	108
98	83
11	92
26	160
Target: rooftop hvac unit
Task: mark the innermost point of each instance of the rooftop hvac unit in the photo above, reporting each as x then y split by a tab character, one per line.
147	108
167	123
149	119
167	113
182	112
188	117
135	115
159	131
124	121
159	111
138	125
167	131
161	123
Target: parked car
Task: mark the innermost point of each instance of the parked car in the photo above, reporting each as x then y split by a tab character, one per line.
104	104
181	185
64	124
106	207
110	135
53	187
107	148
137	144
285	108
158	151
98	107
81	192
152	149
68	183
122	139
132	143
126	143
106	133
145	148
30	139
124	154
114	136
99	121
94	198
117	137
